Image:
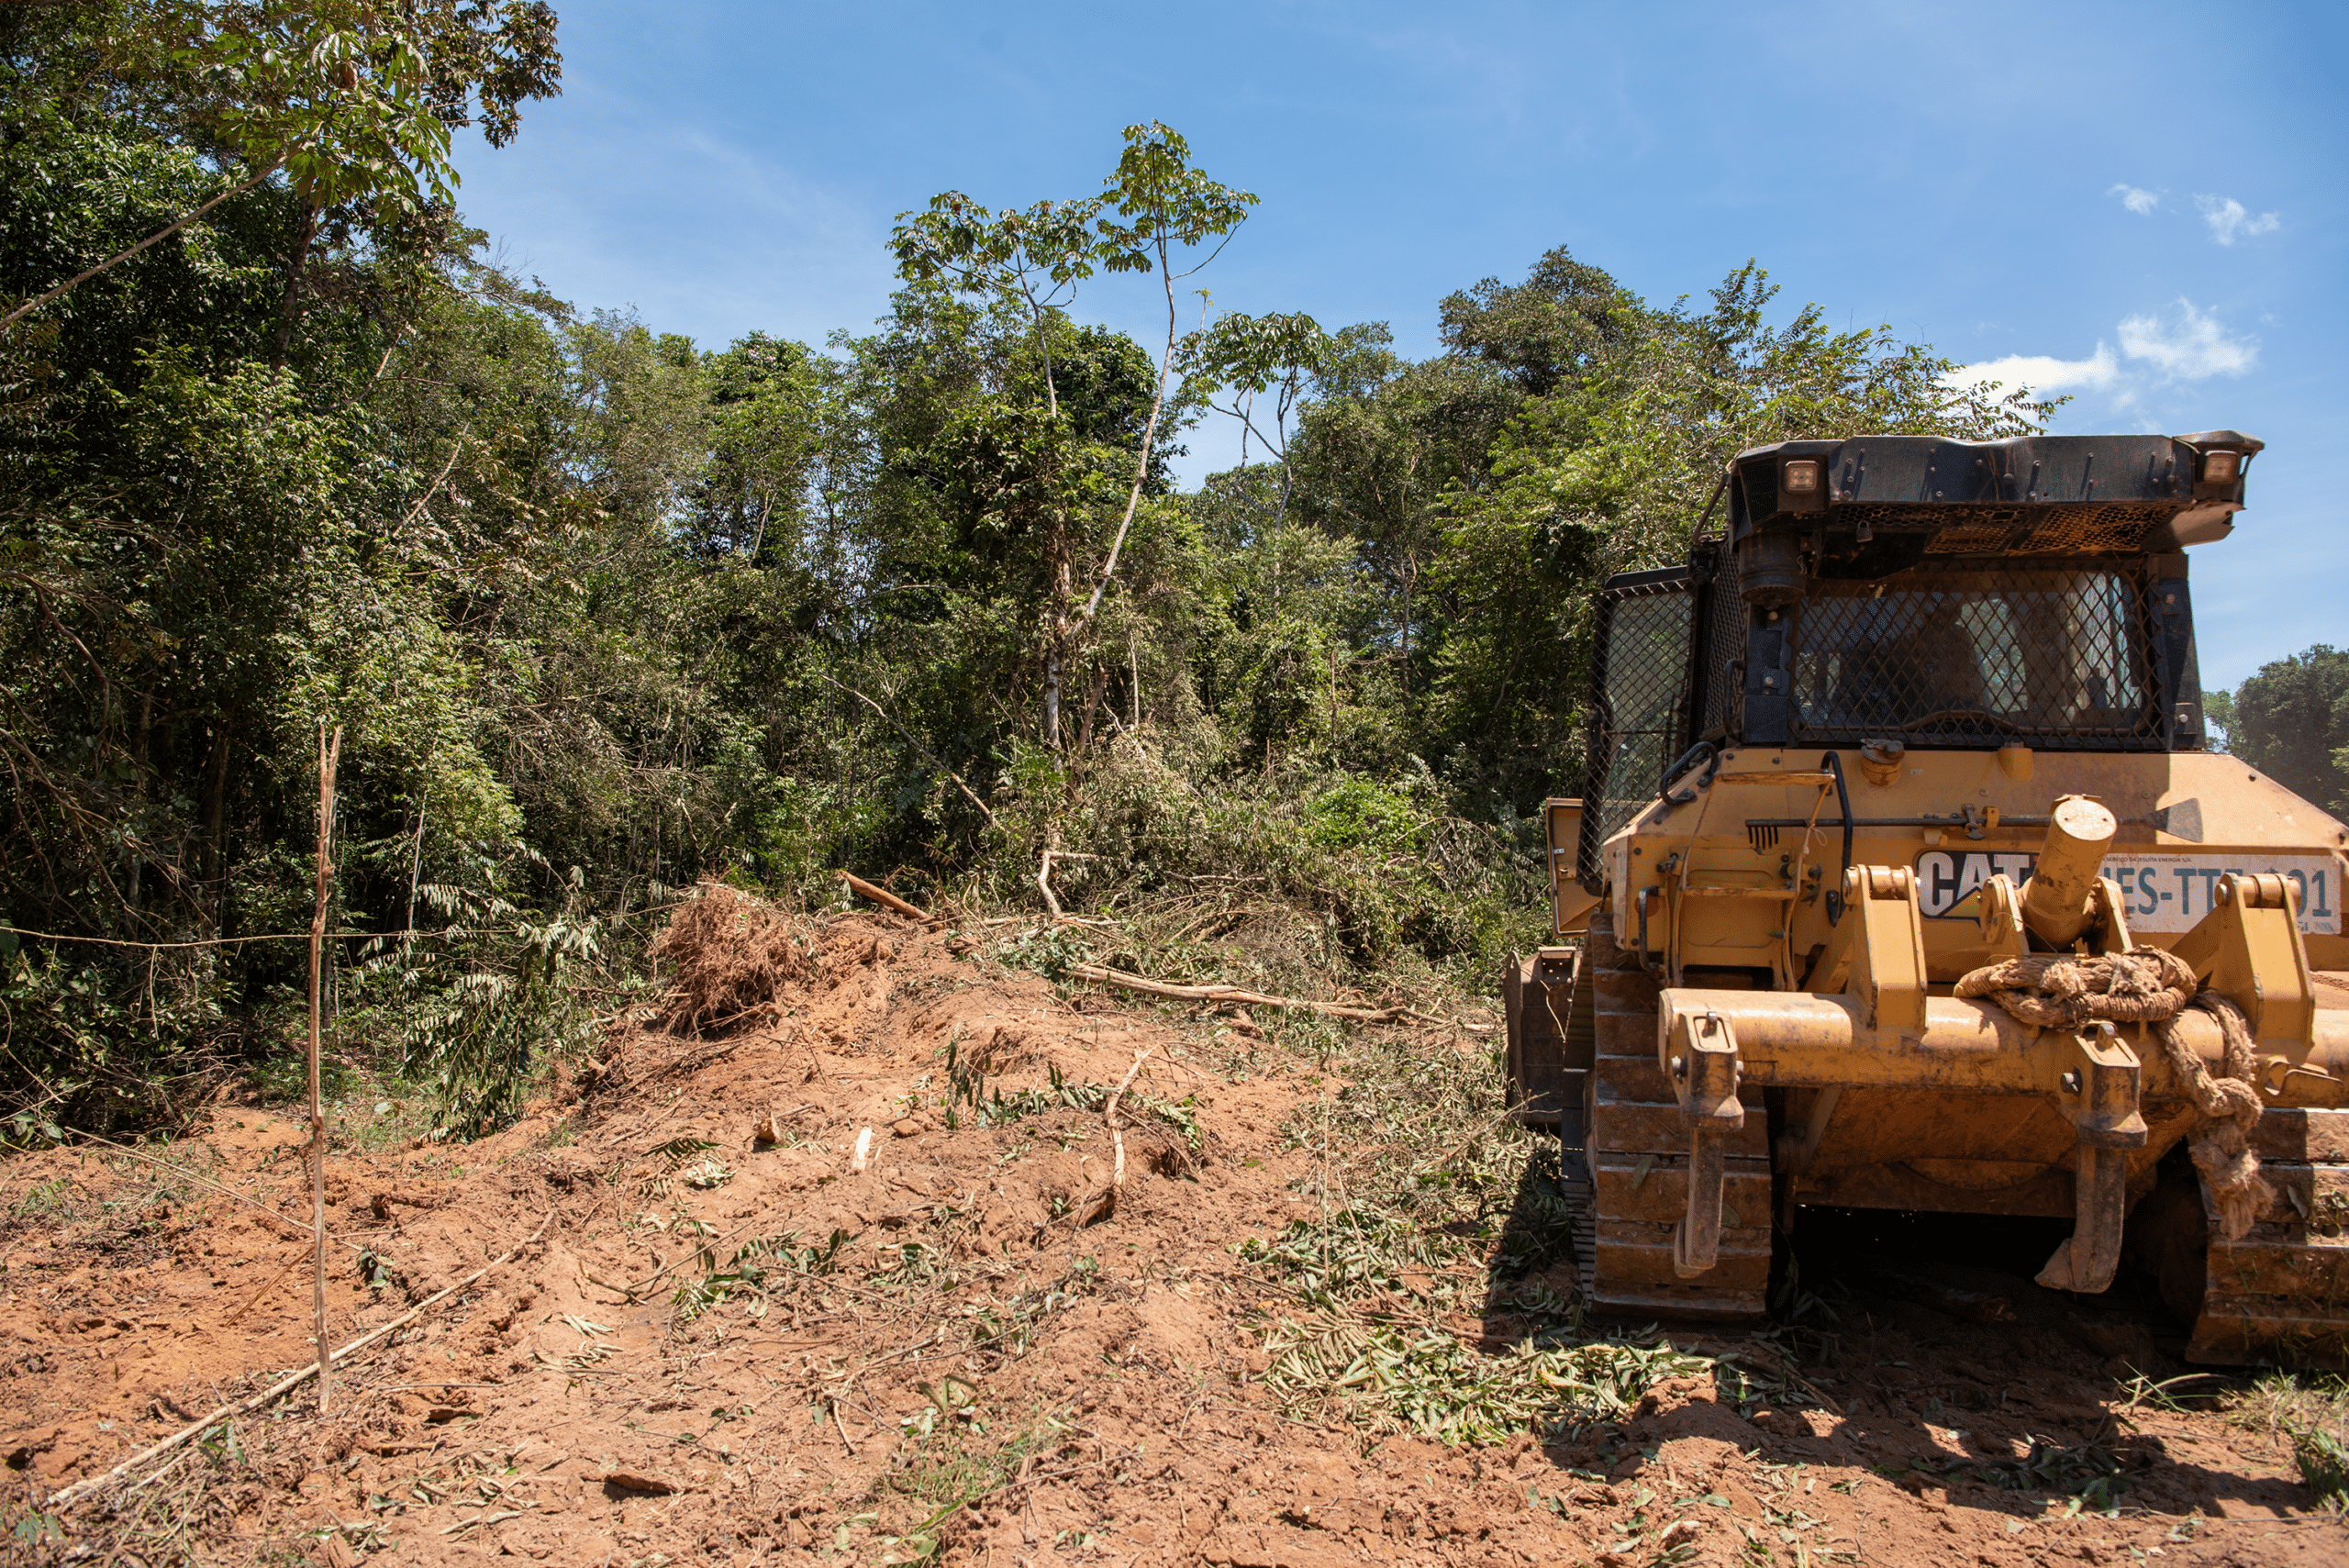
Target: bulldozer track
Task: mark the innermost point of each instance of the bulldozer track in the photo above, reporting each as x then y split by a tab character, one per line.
2282	1290
1634	1167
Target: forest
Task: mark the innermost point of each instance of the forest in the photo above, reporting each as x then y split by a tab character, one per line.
601	612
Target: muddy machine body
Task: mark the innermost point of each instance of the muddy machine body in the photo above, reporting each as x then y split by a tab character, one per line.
1913	709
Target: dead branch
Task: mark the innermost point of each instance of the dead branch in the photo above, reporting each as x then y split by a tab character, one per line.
82	1489
1229	994
1099	1203
1110	1111
164	233
889	900
1044	886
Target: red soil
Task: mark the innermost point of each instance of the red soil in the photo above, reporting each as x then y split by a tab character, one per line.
555	1413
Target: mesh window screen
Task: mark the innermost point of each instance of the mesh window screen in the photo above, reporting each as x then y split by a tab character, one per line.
1641	712
1721	707
1977	658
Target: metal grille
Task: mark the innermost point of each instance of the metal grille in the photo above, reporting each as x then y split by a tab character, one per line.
1639	711
2041	528
1721	707
1977	658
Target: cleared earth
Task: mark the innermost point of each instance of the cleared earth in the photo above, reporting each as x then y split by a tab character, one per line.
1111	1284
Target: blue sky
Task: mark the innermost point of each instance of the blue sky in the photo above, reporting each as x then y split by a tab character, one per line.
2141	206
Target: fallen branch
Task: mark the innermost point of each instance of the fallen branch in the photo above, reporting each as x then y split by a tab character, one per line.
291	1264
1110	1111
1232	995
1099	1203
889	900
82	1489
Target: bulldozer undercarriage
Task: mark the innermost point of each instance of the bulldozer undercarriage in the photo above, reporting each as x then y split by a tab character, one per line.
2281	1293
1631	1147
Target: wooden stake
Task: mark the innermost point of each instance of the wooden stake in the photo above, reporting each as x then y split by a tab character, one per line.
328	752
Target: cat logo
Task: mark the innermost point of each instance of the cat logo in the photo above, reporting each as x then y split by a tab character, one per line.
1945	878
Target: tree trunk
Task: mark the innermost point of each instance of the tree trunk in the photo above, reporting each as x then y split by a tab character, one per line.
216	812
304	233
1410	576
1052	693
1092	707
1142	462
1059	598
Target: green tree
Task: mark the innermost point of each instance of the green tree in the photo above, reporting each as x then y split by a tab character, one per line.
2291	722
1613	469
1155	213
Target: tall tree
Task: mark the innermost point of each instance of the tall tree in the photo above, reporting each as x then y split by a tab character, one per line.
1155	213
2291	722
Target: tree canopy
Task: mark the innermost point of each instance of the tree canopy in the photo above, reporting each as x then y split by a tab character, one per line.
2291	722
603	610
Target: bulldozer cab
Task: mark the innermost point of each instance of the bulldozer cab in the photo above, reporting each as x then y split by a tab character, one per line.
1916	723
1916	591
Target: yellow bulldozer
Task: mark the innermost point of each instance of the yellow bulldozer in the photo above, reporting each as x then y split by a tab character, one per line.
1904	877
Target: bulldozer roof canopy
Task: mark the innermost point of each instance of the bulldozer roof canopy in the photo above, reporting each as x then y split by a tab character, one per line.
2033	496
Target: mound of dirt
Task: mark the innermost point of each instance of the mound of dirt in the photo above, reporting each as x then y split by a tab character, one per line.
827	1271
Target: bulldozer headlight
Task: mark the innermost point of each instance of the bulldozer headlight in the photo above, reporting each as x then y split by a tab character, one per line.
1801	478
2222	468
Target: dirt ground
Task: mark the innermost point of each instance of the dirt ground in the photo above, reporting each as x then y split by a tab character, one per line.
713	1346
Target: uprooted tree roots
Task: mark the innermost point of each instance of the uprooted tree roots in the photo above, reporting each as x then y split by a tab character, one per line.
727	956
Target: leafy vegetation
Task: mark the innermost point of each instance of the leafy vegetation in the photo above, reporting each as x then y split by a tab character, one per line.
603	611
2310	1412
2291	722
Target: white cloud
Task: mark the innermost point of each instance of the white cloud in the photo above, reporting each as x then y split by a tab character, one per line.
2154	350
2140	202
2230	221
2198	346
2043	373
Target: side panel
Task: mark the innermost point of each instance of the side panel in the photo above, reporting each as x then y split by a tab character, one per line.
2172	609
1549	1038
1570	904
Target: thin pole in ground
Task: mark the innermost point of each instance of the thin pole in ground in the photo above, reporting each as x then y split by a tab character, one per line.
328	751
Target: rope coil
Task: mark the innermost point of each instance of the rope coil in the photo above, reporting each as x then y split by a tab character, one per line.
2152	986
